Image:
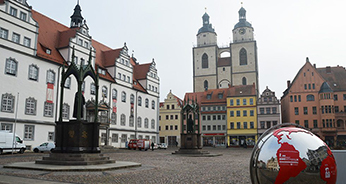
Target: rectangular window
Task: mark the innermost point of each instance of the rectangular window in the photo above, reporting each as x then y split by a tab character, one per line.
13	11
29	131
344	96
166	127
232	125
244	112
296	111
115	138
238	125
267	110
232	113
306	123
252	113
299	98
15	37
11	67
172	116
214	127
295	98
291	98
305	86
268	124
92	89
86	44
203	118
335	97
315	123
203	128
336	108
261	110
218	127
175	127
297	122
7	103
238	113
305	110
6	127
262	124
223	127
231	102
214	117
65	111
238	102
309	86
209	127
30	106
314	110
176	116
27	42
252	125
80	42
23	16
218	117
274	110
3	33
251	101
48	109
245	125
171	127
244	101
50	77
313	85
123	138
275	123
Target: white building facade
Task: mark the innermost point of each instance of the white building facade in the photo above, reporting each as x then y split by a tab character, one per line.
34	49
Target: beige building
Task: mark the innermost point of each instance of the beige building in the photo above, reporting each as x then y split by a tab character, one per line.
169	120
217	67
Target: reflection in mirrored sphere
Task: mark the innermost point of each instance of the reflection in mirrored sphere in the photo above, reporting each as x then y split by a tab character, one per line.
288	153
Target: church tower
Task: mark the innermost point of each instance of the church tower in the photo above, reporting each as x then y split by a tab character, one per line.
244	69
205	57
76	18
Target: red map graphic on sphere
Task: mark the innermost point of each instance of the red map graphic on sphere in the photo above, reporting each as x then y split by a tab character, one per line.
288	156
328	169
291	164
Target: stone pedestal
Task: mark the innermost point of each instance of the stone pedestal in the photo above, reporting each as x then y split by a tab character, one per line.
75	159
190	141
77	137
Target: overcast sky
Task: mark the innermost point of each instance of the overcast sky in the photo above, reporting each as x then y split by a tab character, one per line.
286	33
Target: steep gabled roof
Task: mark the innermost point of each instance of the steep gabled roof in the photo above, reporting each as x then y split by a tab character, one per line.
110	56
49	37
214	96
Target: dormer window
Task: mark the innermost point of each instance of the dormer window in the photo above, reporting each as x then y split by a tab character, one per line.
208	96
86	44
23	16
48	51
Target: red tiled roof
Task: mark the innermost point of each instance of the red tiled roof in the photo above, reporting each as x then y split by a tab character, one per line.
49	37
2	1
64	37
214	98
224	61
110	56
140	71
242	90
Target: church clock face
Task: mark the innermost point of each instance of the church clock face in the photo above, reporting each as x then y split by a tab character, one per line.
242	31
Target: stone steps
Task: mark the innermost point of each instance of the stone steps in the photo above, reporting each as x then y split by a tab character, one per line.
75	159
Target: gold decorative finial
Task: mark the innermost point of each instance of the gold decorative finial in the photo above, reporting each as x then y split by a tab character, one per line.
241	4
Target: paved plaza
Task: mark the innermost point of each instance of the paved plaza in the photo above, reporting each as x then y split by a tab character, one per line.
159	166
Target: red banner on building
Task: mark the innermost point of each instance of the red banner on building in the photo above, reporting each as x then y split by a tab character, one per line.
114	105
50	93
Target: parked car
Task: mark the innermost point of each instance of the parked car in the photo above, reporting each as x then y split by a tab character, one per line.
47	146
10	142
162	146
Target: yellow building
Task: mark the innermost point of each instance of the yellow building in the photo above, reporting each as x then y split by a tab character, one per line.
242	116
169	120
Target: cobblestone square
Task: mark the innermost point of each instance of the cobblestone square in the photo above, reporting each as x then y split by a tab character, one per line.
159	166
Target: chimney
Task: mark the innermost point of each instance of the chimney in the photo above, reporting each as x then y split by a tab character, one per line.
288	83
328	69
314	65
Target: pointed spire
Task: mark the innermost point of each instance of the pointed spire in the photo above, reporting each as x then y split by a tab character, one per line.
76	18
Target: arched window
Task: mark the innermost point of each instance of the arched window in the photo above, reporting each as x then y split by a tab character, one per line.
152	124
153	104
146	103
205	85
242	57
131	121
139	122
114	94
104	91
122	120
132	99
205	61
123	96
139	101
310	98
146	123
244	81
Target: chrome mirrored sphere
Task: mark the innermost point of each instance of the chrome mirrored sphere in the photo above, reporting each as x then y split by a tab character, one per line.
288	153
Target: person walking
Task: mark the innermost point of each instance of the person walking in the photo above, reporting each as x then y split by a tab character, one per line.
152	146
